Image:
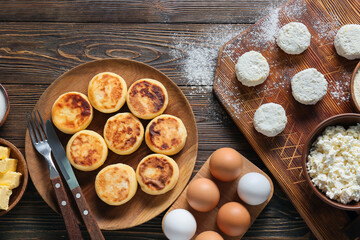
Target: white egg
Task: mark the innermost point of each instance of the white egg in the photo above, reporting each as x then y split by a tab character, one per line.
179	224
254	188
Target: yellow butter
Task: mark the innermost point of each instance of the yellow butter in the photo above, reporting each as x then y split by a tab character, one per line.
10	179
8	165
4	152
5	193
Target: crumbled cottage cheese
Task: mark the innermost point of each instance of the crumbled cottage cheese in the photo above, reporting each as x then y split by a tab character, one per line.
333	163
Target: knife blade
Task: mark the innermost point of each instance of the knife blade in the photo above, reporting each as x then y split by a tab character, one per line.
60	156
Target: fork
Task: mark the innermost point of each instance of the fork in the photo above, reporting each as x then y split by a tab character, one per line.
38	139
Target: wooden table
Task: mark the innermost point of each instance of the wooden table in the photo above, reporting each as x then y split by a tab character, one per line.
41	40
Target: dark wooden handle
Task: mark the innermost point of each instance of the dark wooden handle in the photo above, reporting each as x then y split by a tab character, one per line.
86	214
67	212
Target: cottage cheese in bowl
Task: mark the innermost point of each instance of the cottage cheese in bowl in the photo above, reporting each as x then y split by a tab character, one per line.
334	163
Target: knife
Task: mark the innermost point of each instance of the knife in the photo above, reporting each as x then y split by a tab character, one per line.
66	170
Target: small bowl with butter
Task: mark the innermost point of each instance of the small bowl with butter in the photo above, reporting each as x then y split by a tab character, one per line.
330	161
13	176
355	88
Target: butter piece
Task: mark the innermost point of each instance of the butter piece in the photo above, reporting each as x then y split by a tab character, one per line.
10	179
5	193
4	152
8	165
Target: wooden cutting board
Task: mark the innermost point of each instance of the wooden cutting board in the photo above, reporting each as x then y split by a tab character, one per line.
206	221
282	154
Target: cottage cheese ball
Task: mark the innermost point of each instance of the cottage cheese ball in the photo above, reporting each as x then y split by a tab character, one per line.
270	119
252	69
309	86
293	38
347	41
333	163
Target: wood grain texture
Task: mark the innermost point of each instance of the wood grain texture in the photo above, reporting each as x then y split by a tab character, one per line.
142	206
153	11
33	59
282	154
228	193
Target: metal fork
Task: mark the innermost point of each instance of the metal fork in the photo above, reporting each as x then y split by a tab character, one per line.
38	139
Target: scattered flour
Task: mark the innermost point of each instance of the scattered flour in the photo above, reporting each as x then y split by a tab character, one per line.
340	91
197	54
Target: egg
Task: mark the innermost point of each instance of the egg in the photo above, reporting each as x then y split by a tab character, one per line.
233	219
202	194
179	224
209	235
226	164
254	188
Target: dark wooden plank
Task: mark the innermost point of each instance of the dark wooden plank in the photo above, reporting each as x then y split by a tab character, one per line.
154	11
35	53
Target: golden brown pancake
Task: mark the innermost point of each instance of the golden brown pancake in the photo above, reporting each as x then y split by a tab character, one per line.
157	174
107	92
147	98
123	133
86	150
72	112
116	184
166	134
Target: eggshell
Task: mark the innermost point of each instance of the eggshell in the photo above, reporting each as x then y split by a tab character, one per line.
254	188
209	235
179	224
226	164
203	194
233	219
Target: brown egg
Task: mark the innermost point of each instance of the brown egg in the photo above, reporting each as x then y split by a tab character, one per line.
226	164
233	219
209	235
203	194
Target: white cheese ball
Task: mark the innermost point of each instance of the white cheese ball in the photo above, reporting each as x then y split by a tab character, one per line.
270	119
252	69
347	41
293	38
309	86
254	188
179	224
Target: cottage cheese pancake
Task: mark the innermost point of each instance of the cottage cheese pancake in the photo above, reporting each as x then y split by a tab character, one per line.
147	98
157	174
252	69
166	134
107	92
347	41
72	112
116	184
123	133
270	119
293	38
86	150
308	86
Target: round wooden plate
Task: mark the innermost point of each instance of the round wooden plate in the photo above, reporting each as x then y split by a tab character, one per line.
142	207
